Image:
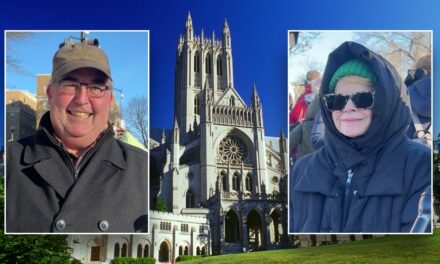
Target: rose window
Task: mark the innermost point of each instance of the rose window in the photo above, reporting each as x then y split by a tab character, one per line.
232	150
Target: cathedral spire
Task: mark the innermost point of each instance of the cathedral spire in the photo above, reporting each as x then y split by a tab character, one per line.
226	37
257	108
283	151
164	137
189	32
176	136
225	25
255	97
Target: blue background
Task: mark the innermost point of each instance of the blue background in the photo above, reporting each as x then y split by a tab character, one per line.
258	29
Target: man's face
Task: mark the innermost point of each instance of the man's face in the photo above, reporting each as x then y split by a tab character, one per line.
78	118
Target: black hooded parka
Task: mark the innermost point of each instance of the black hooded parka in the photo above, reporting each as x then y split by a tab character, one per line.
371	183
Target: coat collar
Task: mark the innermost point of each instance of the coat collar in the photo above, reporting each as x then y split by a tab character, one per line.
51	161
386	175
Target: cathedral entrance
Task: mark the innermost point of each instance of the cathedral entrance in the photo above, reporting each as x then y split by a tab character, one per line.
275	227
164	252
254	230
232	231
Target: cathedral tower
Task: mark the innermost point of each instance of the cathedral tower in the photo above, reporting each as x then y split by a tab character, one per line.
200	60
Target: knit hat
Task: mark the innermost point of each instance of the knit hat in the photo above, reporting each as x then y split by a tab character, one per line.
356	67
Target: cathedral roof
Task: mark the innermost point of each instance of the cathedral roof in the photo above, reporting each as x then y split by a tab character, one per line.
231	91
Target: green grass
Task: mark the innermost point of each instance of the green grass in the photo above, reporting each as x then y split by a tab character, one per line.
396	249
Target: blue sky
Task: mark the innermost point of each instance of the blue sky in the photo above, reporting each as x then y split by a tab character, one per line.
258	29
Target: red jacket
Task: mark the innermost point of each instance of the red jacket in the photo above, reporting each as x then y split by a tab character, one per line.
298	112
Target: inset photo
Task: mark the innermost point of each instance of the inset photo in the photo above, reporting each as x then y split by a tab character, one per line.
360	132
76	114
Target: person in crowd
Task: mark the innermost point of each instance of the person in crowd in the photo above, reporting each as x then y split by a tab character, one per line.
298	112
300	136
368	177
420	96
318	131
72	175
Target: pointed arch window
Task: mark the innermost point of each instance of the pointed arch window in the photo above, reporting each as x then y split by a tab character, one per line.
147	251
197	62
219	66
124	250
116	250
249	182
208	64
232	101
139	251
232	228
197	104
236	181
190	199
224	180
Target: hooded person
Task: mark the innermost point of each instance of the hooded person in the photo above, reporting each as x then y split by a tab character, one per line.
420	94
369	176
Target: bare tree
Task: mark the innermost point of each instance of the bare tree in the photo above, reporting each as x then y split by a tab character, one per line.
304	41
136	116
402	49
12	60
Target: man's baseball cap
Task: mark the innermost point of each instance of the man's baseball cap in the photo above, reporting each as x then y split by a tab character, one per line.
73	56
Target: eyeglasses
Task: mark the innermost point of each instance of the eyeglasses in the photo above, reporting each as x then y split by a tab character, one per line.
95	90
337	102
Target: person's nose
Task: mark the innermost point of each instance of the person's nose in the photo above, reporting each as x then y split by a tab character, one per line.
81	95
350	106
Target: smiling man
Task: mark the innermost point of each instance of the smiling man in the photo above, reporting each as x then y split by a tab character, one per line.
73	176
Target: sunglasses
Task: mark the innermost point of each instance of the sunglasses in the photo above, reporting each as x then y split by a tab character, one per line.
337	102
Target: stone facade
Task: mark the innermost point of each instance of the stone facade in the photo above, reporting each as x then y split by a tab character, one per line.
217	157
170	236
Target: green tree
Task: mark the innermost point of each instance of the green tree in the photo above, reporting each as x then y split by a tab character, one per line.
161	204
31	248
436	183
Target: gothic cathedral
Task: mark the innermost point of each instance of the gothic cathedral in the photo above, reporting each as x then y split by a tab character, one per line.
219	163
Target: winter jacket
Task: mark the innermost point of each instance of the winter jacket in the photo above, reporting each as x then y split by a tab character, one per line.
300	136
318	131
298	112
371	183
46	193
420	96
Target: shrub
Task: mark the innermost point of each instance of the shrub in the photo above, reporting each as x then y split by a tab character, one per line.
126	260
184	258
75	261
